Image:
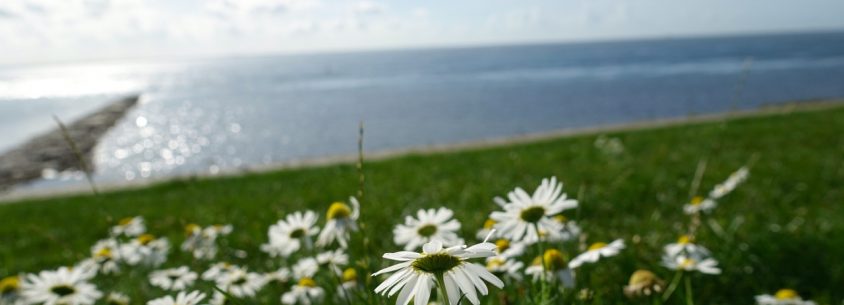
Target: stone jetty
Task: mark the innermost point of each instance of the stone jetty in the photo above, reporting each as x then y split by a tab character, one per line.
51	150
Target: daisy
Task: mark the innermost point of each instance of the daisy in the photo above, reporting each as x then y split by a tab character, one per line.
10	291
699	204
288	235
117	298
508	249
145	249
173	279
305	291
505	267
555	268
596	251
217	270
782	297
643	283
282	275
129	227
349	280
686	246
484	231
686	263
525	216
182	298
569	231
428	225
106	253
730	184
241	283
202	242
334	259
63	286
340	220
417	273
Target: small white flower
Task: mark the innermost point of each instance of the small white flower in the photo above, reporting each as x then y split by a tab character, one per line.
505	267
730	184
486	229
429	225
526	216
334	259
241	283
305	292
306	267
685	246
699	204
217	270
289	235
177	279
341	219
10	291
282	275
555	269
129	227
685	263
182	298
106	253
117	298
60	287
414	276
202	243
596	251
146	250
782	297
508	249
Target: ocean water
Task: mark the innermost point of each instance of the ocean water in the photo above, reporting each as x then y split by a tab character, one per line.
222	115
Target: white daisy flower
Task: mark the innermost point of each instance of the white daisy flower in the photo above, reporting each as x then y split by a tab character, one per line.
202	243
117	298
686	246
596	251
730	184
106	253
782	297
417	273
305	292
60	287
486	229
288	235
508	249
555	269
306	267
341	219
282	275
177	279
87	268
699	204
217	270
146	250
505	267
129	227
570	230
334	259
218	299
10	291
685	263
183	298
429	225
525	216
348	280
241	283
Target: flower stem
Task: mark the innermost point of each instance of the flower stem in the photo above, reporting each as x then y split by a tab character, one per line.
689	299
672	286
443	294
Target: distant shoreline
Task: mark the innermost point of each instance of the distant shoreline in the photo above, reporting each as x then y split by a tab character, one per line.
790	107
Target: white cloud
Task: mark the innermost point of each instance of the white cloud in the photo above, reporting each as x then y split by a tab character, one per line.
368	7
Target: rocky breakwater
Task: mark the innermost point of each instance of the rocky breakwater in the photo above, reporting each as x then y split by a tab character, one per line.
51	151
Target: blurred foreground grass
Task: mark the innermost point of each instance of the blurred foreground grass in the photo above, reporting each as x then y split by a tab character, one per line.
782	228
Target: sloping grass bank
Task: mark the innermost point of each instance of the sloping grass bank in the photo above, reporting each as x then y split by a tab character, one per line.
782	228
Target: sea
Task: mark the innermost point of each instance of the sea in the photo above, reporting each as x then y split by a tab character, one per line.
222	115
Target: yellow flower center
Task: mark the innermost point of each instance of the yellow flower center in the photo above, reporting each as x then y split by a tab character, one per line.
684	239
502	244
532	214
489	223
641	277
597	246
786	294
560	218
553	260
350	275
9	284
125	221
436	263
307	282
191	228
687	262
103	253
145	239
427	230
338	210
494	263
697	200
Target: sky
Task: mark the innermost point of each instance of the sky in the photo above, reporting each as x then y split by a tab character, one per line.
33	31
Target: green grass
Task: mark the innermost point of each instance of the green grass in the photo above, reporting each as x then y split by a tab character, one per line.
784	226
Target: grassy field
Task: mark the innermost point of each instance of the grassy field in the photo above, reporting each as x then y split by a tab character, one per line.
782	228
